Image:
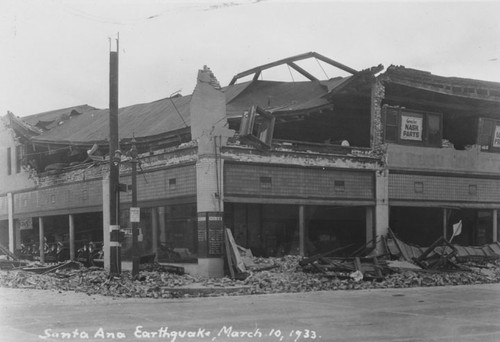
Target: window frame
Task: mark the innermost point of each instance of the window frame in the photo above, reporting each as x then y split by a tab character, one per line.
19	157
9	161
399	112
486	134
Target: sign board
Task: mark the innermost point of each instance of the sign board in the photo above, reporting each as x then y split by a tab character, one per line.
25	223
411	127
135	214
496	137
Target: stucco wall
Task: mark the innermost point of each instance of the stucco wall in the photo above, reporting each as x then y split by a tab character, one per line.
14	181
442	160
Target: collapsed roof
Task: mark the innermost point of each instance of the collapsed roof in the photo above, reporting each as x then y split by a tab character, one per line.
171	116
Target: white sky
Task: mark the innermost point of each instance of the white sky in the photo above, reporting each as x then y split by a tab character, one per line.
55	54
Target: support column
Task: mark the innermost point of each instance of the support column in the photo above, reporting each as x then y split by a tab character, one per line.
41	239
163	227
105	222
71	237
445	222
208	128
369	213
154	235
381	205
495	225
17	238
12	233
302	231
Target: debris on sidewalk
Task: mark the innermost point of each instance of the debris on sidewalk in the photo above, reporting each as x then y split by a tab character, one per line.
400	265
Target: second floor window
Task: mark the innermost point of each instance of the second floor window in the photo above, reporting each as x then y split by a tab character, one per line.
19	158
403	126
488	135
9	161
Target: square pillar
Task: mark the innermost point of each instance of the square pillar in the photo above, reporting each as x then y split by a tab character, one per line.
154	233
163	226
370	228
41	239
302	231
445	222
12	233
71	237
381	205
495	225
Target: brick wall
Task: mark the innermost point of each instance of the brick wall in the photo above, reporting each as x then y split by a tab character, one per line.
87	195
69	196
168	183
296	182
443	188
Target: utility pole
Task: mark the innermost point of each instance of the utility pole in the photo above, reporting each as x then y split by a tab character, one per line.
134	221
114	166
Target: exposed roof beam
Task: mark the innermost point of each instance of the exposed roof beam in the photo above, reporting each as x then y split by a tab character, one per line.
291	60
302	71
439	90
440	104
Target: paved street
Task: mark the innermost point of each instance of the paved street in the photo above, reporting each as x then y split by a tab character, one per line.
461	313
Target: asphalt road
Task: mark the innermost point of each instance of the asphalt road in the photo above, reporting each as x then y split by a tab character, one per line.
460	313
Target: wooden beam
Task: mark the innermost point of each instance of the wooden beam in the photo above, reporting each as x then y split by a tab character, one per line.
440	104
334	63
229	258
290	60
302	71
443	91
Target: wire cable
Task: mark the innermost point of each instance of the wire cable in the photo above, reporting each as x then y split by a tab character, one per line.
322	68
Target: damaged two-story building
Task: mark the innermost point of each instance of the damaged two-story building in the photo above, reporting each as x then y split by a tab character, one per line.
290	167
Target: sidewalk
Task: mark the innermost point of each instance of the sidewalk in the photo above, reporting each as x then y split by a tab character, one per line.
455	313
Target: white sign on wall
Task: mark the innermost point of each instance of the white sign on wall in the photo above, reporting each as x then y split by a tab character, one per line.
496	137
135	214
411	127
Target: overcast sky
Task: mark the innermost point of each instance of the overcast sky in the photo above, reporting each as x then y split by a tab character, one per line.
55	54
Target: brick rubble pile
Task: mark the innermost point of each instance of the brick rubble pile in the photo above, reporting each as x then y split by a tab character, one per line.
282	275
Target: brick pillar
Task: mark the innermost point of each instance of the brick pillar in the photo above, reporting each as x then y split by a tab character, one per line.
376	127
208	128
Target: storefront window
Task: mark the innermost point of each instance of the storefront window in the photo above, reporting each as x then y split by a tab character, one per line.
176	229
272	230
166	232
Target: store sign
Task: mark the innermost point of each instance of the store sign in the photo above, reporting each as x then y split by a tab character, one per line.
496	137
135	214
411	127
24	223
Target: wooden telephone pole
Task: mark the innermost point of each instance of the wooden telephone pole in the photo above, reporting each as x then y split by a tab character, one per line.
114	165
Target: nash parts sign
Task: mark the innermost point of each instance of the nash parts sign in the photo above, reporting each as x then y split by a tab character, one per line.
411	127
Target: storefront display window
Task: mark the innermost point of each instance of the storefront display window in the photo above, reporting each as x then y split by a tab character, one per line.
166	232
